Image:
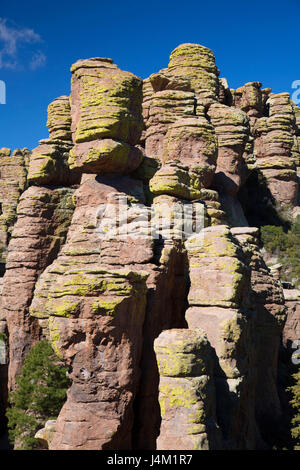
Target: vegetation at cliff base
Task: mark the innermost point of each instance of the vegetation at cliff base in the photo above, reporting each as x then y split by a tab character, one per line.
286	245
39	396
295	402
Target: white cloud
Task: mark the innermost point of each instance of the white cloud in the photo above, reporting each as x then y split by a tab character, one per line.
38	60
12	38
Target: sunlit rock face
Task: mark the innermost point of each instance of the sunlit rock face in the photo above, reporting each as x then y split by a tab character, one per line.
13	170
49	161
106	105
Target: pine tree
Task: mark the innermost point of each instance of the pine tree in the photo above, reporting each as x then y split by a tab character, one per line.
295	402
39	396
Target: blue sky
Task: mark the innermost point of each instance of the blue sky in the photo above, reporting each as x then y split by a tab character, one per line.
257	40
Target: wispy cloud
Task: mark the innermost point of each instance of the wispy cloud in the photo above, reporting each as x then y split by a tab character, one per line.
38	60
14	38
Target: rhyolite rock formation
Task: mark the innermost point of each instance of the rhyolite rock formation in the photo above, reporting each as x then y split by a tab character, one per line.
13	180
43	218
129	248
106	105
49	161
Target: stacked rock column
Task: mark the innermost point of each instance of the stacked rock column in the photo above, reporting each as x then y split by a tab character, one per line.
13	171
43	216
186	391
95	295
273	146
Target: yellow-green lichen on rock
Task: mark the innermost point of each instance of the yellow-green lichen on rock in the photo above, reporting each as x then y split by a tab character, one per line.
175	180
182	353
276	149
105	156
232	130
13	170
109	101
107	291
192	142
49	161
59	119
197	63
164	108
214	254
106	105
186	390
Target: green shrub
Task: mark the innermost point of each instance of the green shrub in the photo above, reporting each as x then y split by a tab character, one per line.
295	402
39	396
286	246
273	238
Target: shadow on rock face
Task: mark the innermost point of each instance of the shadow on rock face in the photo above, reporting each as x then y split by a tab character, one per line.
258	202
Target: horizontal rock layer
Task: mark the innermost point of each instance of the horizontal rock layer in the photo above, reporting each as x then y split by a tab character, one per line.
129	249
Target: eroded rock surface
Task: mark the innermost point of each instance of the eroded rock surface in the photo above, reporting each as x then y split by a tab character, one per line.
106	105
13	181
129	249
49	161
43	218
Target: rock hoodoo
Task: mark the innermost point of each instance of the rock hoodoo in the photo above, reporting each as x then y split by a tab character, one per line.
169	320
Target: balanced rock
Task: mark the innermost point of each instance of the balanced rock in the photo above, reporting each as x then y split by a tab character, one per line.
197	63
49	161
106	108
59	119
130	252
189	155
186	391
